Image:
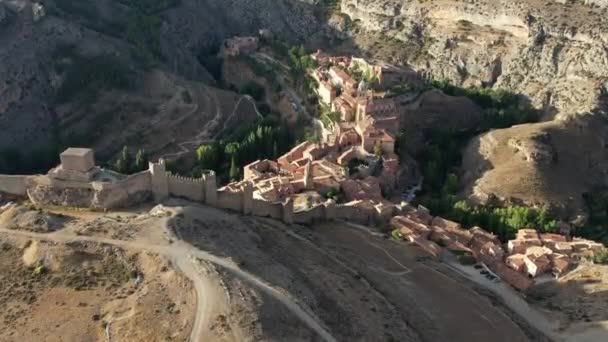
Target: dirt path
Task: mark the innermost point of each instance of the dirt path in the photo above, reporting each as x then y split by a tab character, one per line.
182	253
203	137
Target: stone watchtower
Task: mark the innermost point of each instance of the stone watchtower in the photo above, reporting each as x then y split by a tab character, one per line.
77	159
77	164
158	180
308	176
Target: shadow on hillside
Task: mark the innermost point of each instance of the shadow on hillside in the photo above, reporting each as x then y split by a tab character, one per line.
579	303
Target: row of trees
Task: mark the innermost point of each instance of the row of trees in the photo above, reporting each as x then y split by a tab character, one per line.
127	164
597	206
267	139
503	221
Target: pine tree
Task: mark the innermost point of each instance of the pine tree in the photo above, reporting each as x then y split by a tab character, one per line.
208	156
141	161
234	170
124	163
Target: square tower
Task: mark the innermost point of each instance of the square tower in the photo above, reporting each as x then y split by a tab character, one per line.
77	159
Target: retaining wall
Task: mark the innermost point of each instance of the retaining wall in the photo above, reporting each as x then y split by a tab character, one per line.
354	212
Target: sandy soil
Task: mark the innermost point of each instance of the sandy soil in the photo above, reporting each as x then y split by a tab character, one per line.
88	292
361	287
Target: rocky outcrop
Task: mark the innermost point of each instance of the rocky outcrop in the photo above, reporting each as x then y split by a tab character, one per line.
86	197
554	53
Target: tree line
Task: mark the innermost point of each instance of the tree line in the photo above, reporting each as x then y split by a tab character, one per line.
266	139
127	164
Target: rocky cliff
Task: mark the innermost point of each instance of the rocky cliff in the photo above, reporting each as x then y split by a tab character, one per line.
554	53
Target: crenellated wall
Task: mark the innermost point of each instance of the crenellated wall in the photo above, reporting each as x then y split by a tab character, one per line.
190	188
159	184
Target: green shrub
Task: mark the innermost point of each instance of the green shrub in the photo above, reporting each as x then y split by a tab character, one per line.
601	257
39	270
396	235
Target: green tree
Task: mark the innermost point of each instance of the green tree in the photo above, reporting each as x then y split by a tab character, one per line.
254	90
124	163
450	186
232	149
141	161
208	156
234	169
401	145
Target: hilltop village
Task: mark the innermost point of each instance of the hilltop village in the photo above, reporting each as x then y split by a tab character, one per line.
345	175
354	159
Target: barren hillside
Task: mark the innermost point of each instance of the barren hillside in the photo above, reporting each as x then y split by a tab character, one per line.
81	72
187	270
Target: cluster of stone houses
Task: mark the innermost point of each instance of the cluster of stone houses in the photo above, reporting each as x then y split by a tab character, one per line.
535	254
368	124
367	117
318	168
529	255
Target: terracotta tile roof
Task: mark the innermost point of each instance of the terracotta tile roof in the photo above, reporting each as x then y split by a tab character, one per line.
516	262
552	237
429	247
521	245
444	223
512	277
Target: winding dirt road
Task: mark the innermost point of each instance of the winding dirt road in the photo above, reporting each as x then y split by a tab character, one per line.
182	254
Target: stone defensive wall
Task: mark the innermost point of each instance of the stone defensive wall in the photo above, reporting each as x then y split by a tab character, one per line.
13	185
158	184
191	188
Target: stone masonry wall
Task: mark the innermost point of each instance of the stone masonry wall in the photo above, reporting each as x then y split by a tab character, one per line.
309	216
229	200
160	184
190	188
13	185
266	209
